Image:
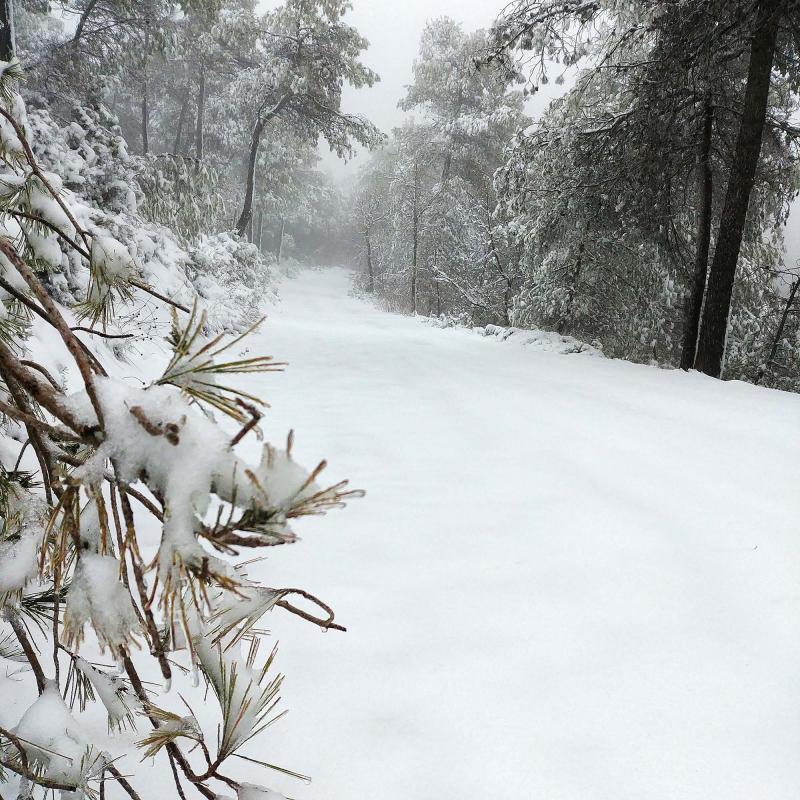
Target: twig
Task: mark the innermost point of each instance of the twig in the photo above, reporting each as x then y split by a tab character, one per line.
44	371
145	288
323	623
70	340
27	648
101	333
255	418
122	781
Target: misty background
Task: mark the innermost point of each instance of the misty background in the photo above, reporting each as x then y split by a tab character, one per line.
393	46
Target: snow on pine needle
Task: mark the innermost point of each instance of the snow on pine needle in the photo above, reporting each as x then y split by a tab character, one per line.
113	690
195	367
96	459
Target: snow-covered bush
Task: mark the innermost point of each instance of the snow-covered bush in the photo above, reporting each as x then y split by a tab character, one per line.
157	208
228	273
88	461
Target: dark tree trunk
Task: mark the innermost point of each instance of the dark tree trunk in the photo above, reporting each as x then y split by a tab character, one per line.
713	331
415	243
279	246
705	192
145	121
201	103
252	159
448	165
81	22
370	271
181	120
779	333
561	327
145	105
7	43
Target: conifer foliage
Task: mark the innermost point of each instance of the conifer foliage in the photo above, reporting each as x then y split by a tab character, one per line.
97	459
644	209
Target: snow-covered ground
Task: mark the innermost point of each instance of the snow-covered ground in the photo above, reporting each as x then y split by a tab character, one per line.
571	578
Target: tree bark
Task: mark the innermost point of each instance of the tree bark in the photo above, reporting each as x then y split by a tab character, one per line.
705	191
181	120
447	166
713	331
252	159
145	121
201	101
247	207
415	243
81	22
279	247
370	272
561	327
260	229
779	333
7	43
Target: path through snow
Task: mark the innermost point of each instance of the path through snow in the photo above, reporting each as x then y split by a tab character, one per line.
571	578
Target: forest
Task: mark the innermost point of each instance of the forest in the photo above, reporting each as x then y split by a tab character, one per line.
175	252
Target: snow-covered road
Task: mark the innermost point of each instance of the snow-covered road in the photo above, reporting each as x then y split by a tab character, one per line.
570	579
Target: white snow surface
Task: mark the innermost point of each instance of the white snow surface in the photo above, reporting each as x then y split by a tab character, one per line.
571	578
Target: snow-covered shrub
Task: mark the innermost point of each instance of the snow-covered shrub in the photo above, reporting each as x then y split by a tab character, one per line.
229	274
156	208
88	461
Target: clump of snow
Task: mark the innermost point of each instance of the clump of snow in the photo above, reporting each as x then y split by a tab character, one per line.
249	791
114	693
282	480
96	594
19	553
111	259
546	341
542	341
55	742
247	695
46	249
185	457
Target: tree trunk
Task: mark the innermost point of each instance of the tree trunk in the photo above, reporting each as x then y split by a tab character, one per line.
145	121
252	159
181	120
370	271
561	327
201	102
145	107
713	331
279	248
260	229
81	22
779	333
705	192
448	165
264	116
415	246
7	43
